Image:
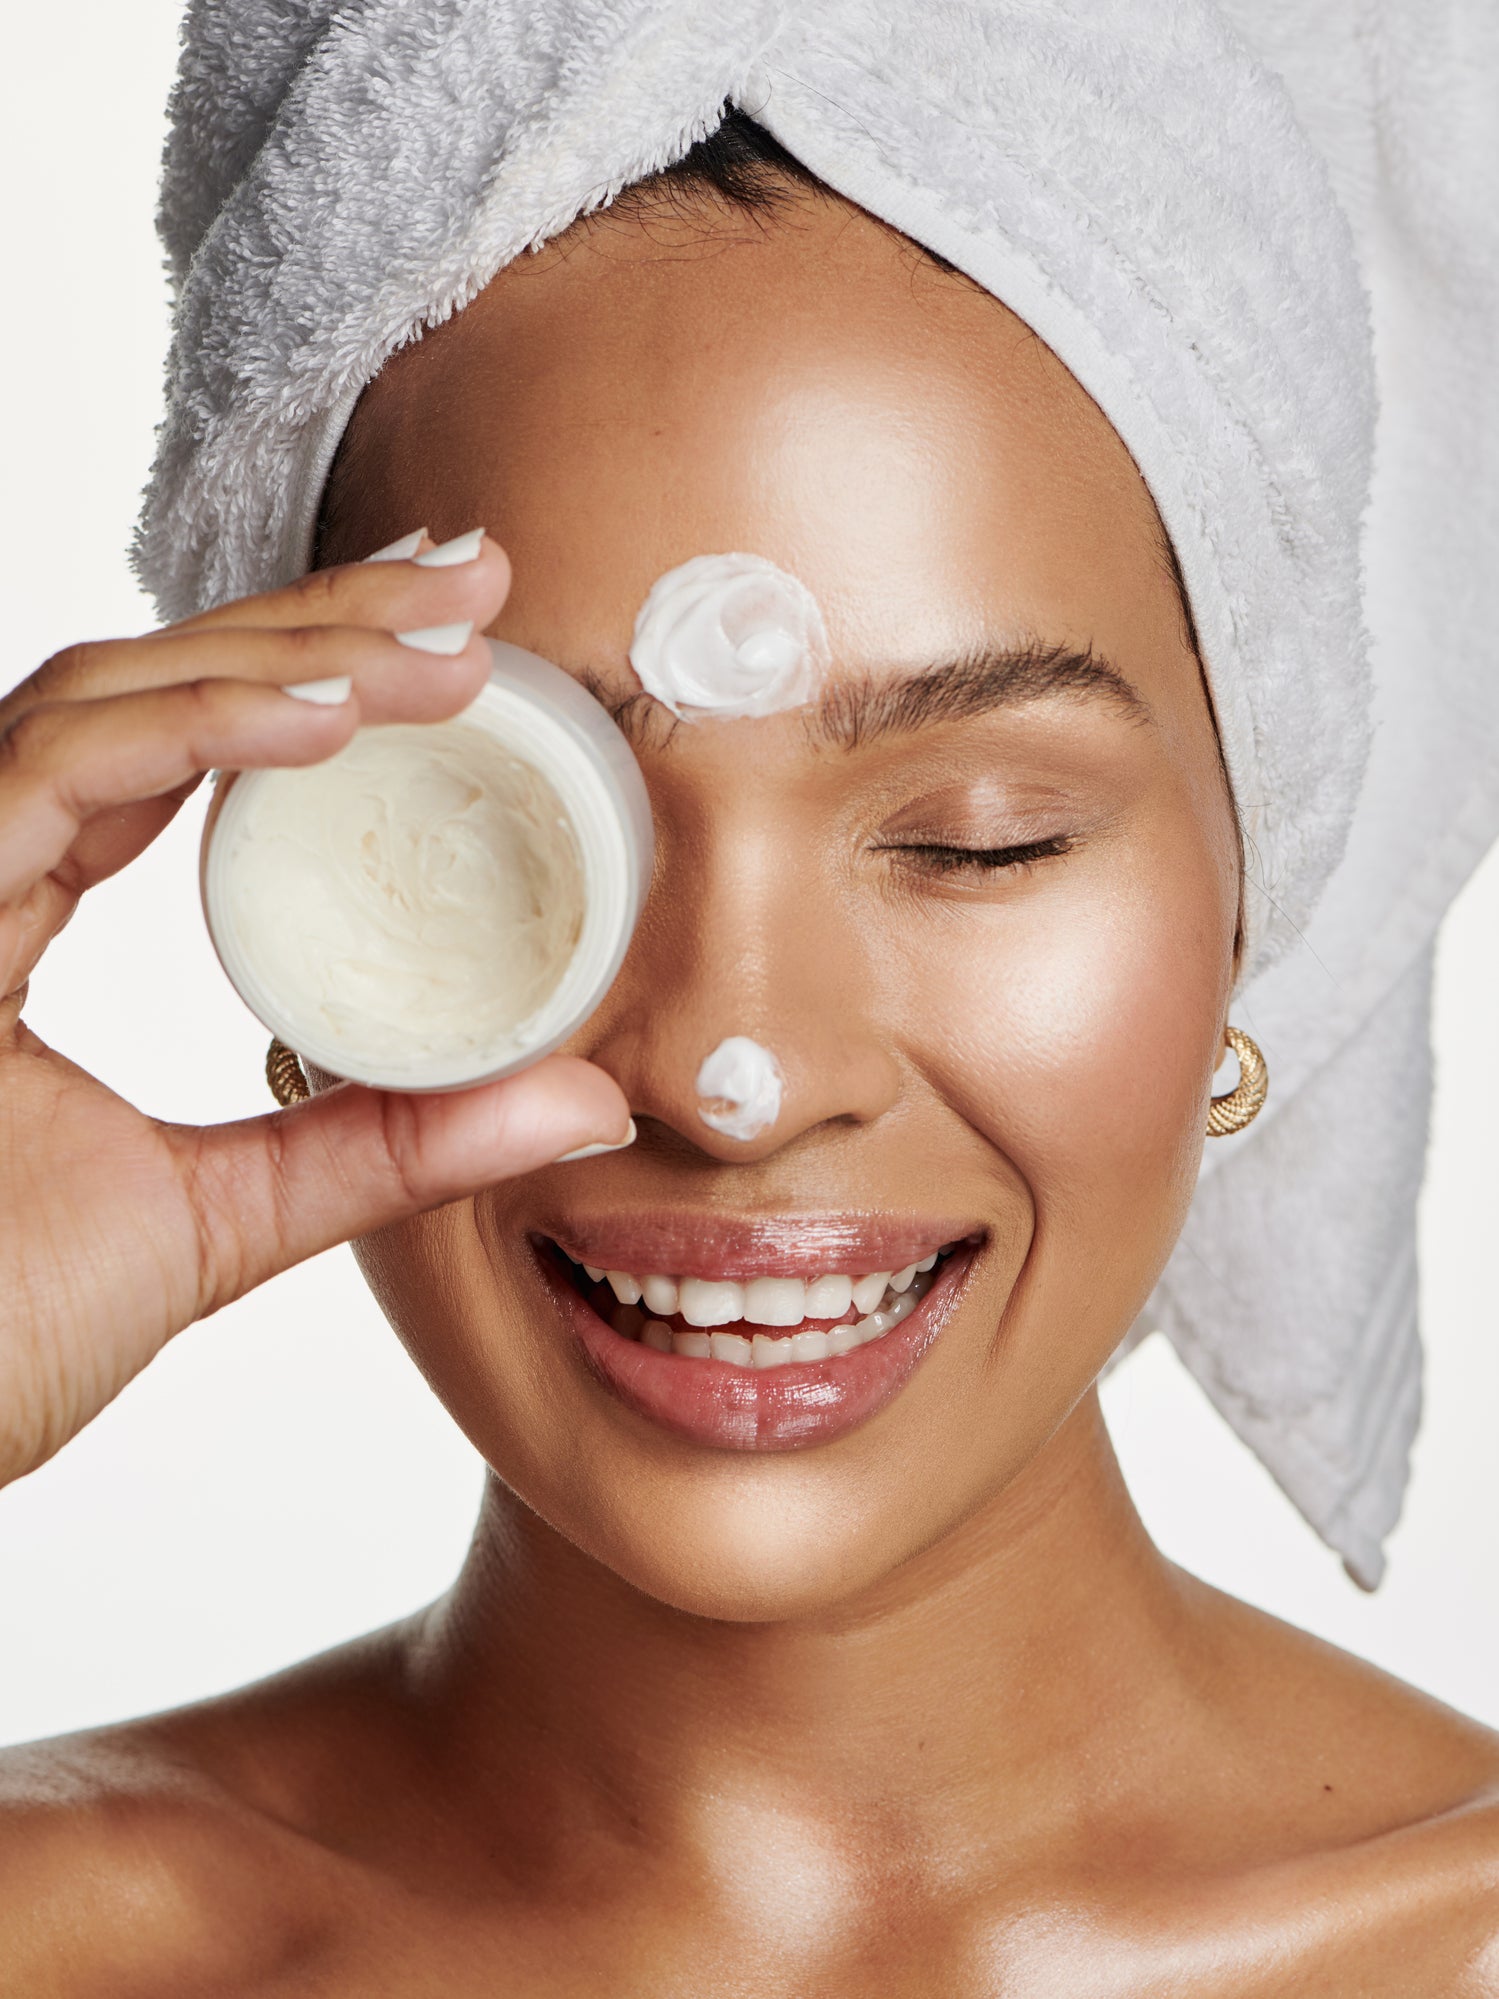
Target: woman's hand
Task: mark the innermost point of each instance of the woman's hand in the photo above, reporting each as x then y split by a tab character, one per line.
116	1230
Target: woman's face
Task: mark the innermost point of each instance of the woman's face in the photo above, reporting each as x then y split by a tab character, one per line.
988	934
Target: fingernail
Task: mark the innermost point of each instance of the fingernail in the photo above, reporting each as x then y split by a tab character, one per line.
447	639
399	551
448	554
323	693
593	1151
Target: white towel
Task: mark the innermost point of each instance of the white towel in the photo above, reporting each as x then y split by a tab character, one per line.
1192	210
1293	1295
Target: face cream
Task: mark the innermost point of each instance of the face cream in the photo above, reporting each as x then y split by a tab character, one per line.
439	903
739	1088
730	635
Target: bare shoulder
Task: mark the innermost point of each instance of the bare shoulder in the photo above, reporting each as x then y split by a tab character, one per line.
1408	1913
1368	1815
121	1872
167	1855
1312	1715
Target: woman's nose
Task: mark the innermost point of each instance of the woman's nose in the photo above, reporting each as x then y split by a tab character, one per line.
741	1019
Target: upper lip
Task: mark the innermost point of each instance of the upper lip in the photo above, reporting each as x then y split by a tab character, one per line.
712	1244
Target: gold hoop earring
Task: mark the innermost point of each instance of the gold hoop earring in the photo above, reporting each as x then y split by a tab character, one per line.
1242	1104
1239	1107
284	1073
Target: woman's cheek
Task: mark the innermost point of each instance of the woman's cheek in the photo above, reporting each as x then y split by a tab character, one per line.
1075	1028
457	1308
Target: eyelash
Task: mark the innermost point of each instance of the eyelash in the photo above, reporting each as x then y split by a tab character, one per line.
945	860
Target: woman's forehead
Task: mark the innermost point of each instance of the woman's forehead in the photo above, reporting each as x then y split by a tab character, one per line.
810	390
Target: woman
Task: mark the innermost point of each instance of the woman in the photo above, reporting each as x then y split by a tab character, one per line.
809	1680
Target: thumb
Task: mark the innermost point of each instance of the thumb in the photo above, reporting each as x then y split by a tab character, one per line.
272	1190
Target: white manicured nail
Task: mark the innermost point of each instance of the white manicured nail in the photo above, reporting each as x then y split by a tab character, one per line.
448	554
324	693
592	1151
399	551
446	639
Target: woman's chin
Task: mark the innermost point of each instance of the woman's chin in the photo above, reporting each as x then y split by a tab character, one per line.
765	1564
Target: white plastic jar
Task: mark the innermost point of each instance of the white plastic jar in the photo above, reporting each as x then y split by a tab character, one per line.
440	903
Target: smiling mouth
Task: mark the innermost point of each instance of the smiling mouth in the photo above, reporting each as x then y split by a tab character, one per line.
741	1355
762	1323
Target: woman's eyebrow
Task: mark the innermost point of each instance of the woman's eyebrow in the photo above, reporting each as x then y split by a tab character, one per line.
972	684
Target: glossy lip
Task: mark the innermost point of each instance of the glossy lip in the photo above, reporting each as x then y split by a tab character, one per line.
742	1247
724	1407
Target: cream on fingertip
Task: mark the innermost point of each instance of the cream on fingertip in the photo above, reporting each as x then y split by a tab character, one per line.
331	693
400	551
448	554
593	1151
445	639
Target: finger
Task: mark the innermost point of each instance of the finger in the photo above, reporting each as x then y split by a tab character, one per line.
467	577
103	846
325	615
26	929
112	839
60	766
397	682
275	1189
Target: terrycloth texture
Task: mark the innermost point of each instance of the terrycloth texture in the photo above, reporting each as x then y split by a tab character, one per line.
1208	298
1135	182
1292	1296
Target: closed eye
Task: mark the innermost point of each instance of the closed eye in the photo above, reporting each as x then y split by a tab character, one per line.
942	859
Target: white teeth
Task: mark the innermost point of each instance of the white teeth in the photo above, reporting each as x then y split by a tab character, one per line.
732	1347
704	1302
829	1297
660	1294
883	1298
809	1346
763	1349
868	1291
901	1306
768	1352
775	1301
764	1301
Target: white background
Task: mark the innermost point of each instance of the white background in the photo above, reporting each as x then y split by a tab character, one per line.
281	1478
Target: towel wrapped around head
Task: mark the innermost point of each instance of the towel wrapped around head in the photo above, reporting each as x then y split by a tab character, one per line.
1196	206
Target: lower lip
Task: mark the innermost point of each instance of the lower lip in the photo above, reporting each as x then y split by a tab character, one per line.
766	1409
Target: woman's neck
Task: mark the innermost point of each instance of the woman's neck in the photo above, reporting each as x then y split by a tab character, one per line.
946	1709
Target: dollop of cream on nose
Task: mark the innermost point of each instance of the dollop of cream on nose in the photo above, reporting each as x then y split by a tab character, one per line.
739	1088
728	635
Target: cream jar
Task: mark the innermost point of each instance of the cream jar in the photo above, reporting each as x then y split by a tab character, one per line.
440	903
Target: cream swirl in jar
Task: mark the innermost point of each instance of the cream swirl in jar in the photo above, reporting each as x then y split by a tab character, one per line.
421	890
724	636
440	902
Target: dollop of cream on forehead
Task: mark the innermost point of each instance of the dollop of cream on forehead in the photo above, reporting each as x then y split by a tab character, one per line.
724	636
739	1088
